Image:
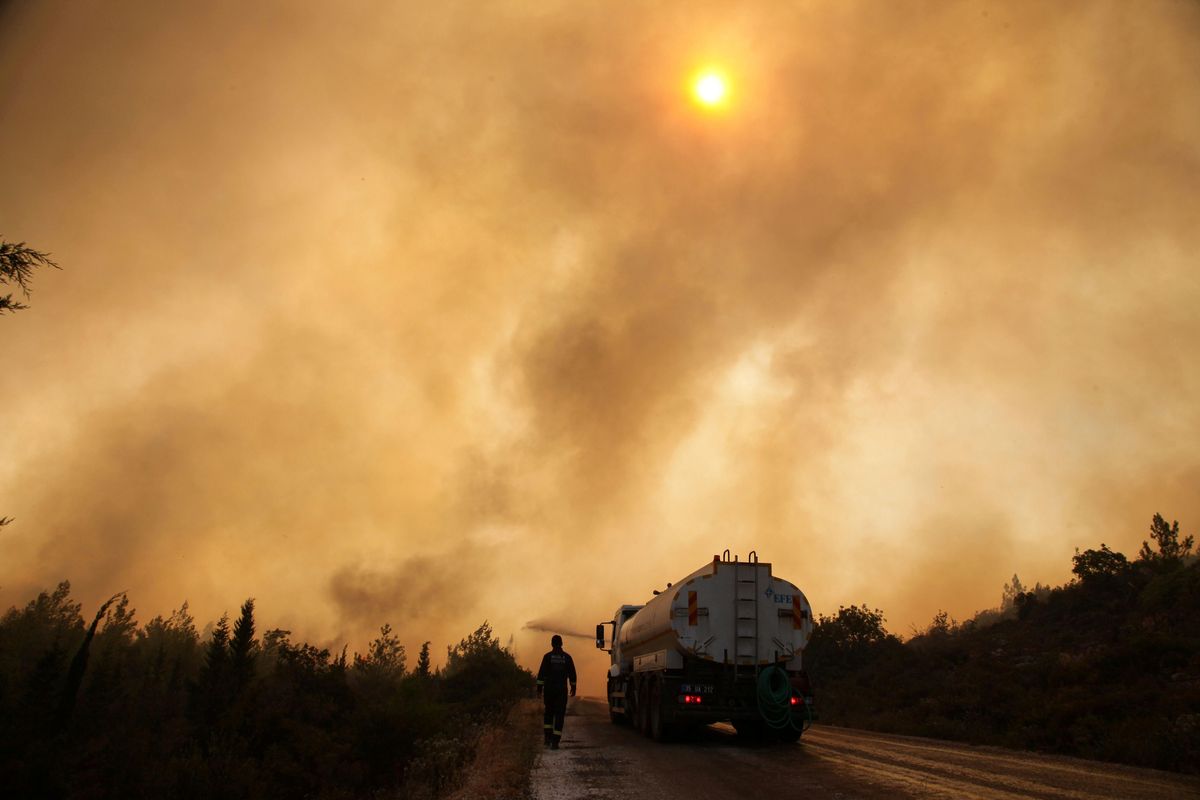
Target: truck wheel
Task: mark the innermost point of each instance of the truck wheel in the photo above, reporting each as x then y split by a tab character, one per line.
647	698
659	731
640	720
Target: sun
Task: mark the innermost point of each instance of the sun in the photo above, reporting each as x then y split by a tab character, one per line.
710	88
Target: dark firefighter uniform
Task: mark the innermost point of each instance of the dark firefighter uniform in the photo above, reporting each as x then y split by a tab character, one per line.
556	670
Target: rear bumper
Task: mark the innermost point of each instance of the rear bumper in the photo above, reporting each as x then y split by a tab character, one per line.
718	713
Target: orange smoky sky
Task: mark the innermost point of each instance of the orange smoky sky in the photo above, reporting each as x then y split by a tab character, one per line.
431	313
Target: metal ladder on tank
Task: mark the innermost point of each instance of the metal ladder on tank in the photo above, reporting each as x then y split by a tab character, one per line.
745	612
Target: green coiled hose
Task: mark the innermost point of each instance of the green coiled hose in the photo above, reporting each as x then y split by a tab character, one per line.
775	701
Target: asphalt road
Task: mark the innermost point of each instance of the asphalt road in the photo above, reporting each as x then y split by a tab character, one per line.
600	760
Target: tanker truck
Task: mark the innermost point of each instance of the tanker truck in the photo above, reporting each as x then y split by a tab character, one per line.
724	644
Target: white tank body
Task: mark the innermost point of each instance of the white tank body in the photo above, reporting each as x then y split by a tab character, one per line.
727	612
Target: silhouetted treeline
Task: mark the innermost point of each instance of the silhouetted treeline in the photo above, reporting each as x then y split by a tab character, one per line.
114	710
1105	667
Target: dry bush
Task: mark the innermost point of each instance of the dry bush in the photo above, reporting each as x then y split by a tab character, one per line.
504	757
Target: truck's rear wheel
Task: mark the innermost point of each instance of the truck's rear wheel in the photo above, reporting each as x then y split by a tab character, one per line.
641	720
657	728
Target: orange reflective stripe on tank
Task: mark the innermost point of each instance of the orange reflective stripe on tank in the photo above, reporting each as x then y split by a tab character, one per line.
797	613
693	609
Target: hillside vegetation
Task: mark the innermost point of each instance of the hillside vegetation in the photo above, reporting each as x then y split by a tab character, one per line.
114	709
1105	667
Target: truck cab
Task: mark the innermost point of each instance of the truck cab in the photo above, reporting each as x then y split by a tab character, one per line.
620	667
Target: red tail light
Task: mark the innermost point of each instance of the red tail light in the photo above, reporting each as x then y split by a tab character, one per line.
691	699
796	700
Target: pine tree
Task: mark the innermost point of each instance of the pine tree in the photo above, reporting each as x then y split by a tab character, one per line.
1170	549
216	655
385	656
212	691
17	263
423	661
1012	591
119	626
243	647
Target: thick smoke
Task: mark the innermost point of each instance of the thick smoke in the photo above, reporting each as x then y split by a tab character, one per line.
435	315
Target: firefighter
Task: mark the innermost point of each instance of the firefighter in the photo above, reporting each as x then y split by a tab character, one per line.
557	668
